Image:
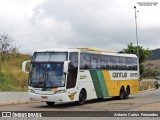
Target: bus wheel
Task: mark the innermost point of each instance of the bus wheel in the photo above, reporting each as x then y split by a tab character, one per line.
50	103
82	97
127	92
122	93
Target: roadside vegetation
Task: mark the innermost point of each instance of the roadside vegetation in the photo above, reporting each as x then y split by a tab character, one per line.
11	77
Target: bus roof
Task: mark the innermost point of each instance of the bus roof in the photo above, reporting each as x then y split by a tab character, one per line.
104	52
97	50
89	51
58	50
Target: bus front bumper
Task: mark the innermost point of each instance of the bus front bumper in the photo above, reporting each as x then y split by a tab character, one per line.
57	98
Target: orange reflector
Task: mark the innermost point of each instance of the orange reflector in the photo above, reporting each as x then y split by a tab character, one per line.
44	97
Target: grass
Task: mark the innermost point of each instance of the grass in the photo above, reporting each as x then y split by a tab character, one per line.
8	84
5	83
11	77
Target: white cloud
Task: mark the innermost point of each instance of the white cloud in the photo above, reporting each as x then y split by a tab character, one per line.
106	24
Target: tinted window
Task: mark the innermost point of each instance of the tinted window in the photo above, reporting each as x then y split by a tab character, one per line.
85	61
91	61
134	63
105	62
114	62
72	70
95	61
128	63
74	59
49	57
122	63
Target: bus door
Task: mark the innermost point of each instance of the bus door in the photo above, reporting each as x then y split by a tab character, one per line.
73	70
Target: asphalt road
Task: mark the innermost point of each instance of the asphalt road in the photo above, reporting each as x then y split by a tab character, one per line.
108	104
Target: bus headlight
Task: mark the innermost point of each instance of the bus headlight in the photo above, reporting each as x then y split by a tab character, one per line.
31	90
60	91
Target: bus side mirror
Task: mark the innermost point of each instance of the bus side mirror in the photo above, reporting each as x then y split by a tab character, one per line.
66	64
24	66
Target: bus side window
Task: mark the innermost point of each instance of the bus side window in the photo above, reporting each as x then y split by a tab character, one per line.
85	61
95	61
134	64
117	62
122	63
128	63
105	62
114	62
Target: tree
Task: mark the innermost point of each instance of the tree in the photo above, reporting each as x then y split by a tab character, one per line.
143	54
6	46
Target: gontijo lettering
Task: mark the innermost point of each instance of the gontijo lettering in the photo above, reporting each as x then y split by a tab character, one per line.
119	74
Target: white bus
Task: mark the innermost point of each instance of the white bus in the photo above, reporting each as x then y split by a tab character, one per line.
66	75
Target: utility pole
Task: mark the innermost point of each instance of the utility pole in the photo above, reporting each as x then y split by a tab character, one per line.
136	31
137	42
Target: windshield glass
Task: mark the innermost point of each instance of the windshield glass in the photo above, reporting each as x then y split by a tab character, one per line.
49	57
46	70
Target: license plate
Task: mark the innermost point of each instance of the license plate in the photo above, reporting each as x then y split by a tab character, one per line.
44	97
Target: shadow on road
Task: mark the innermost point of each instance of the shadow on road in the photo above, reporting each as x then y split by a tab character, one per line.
73	104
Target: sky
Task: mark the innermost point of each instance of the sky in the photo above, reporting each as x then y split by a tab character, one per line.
103	24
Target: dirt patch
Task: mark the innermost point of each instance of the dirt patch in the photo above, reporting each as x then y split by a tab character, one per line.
148	107
121	104
148	85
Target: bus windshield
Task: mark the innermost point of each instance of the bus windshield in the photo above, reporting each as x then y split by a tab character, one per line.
47	70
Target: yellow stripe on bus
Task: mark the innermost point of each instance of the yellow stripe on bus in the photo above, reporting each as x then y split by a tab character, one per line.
53	89
115	85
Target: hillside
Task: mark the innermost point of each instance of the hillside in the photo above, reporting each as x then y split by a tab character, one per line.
155	54
152	68
11	76
152	65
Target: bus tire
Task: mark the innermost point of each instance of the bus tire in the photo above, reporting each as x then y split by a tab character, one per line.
122	93
82	97
127	92
50	103
101	99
